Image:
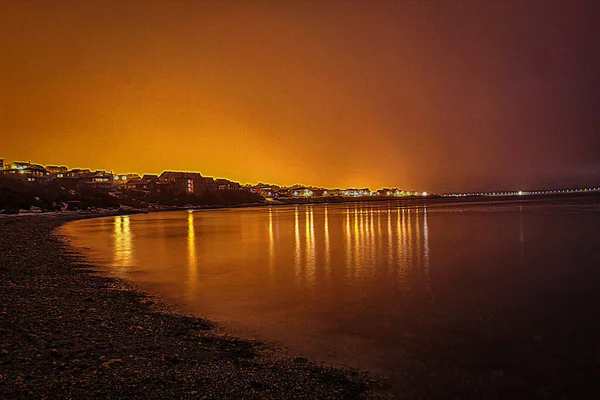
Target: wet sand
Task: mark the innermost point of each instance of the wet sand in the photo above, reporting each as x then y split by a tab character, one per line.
68	332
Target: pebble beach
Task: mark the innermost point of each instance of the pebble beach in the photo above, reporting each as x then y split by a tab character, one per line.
66	331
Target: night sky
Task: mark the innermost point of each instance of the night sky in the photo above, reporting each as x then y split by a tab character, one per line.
434	96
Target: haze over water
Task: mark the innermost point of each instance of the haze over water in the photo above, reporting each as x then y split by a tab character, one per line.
491	291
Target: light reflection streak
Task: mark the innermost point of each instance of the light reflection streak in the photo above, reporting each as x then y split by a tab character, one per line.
379	223
297	254
418	235
327	244
400	232
271	243
191	244
357	249
389	237
310	244
404	234
409	230
123	244
372	245
347	238
425	243
363	225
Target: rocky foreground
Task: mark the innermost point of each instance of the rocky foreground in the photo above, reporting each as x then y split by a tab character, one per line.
66	332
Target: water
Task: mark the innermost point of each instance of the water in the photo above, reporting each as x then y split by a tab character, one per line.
453	295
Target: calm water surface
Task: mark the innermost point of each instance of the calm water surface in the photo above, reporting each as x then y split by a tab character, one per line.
446	292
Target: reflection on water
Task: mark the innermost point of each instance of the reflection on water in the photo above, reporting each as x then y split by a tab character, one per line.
297	250
191	248
123	246
327	244
352	244
360	238
351	283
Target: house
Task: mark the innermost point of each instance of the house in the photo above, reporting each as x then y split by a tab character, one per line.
302	192
148	182
210	185
283	192
76	173
150	178
122	179
225	184
188	182
86	178
137	184
98	179
26	171
57	171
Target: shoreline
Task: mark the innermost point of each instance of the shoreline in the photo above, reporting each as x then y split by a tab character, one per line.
508	199
69	332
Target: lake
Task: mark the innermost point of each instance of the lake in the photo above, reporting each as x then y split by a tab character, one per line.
461	295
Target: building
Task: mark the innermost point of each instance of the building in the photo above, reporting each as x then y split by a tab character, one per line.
146	183
57	171
76	173
137	184
99	179
283	192
122	179
86	178
26	171
150	178
210	185
188	182
352	192
302	192
224	184
1	164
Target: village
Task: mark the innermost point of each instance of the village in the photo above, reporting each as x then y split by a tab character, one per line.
175	183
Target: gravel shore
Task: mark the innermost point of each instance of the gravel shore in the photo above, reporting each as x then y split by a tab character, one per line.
67	332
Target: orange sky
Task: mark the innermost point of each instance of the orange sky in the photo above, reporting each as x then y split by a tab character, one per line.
420	95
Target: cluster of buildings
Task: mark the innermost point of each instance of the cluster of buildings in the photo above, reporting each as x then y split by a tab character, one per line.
167	182
274	191
171	182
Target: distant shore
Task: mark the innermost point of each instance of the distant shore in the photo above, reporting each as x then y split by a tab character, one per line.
67	332
100	212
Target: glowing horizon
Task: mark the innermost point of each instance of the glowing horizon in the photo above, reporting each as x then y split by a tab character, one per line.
437	97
